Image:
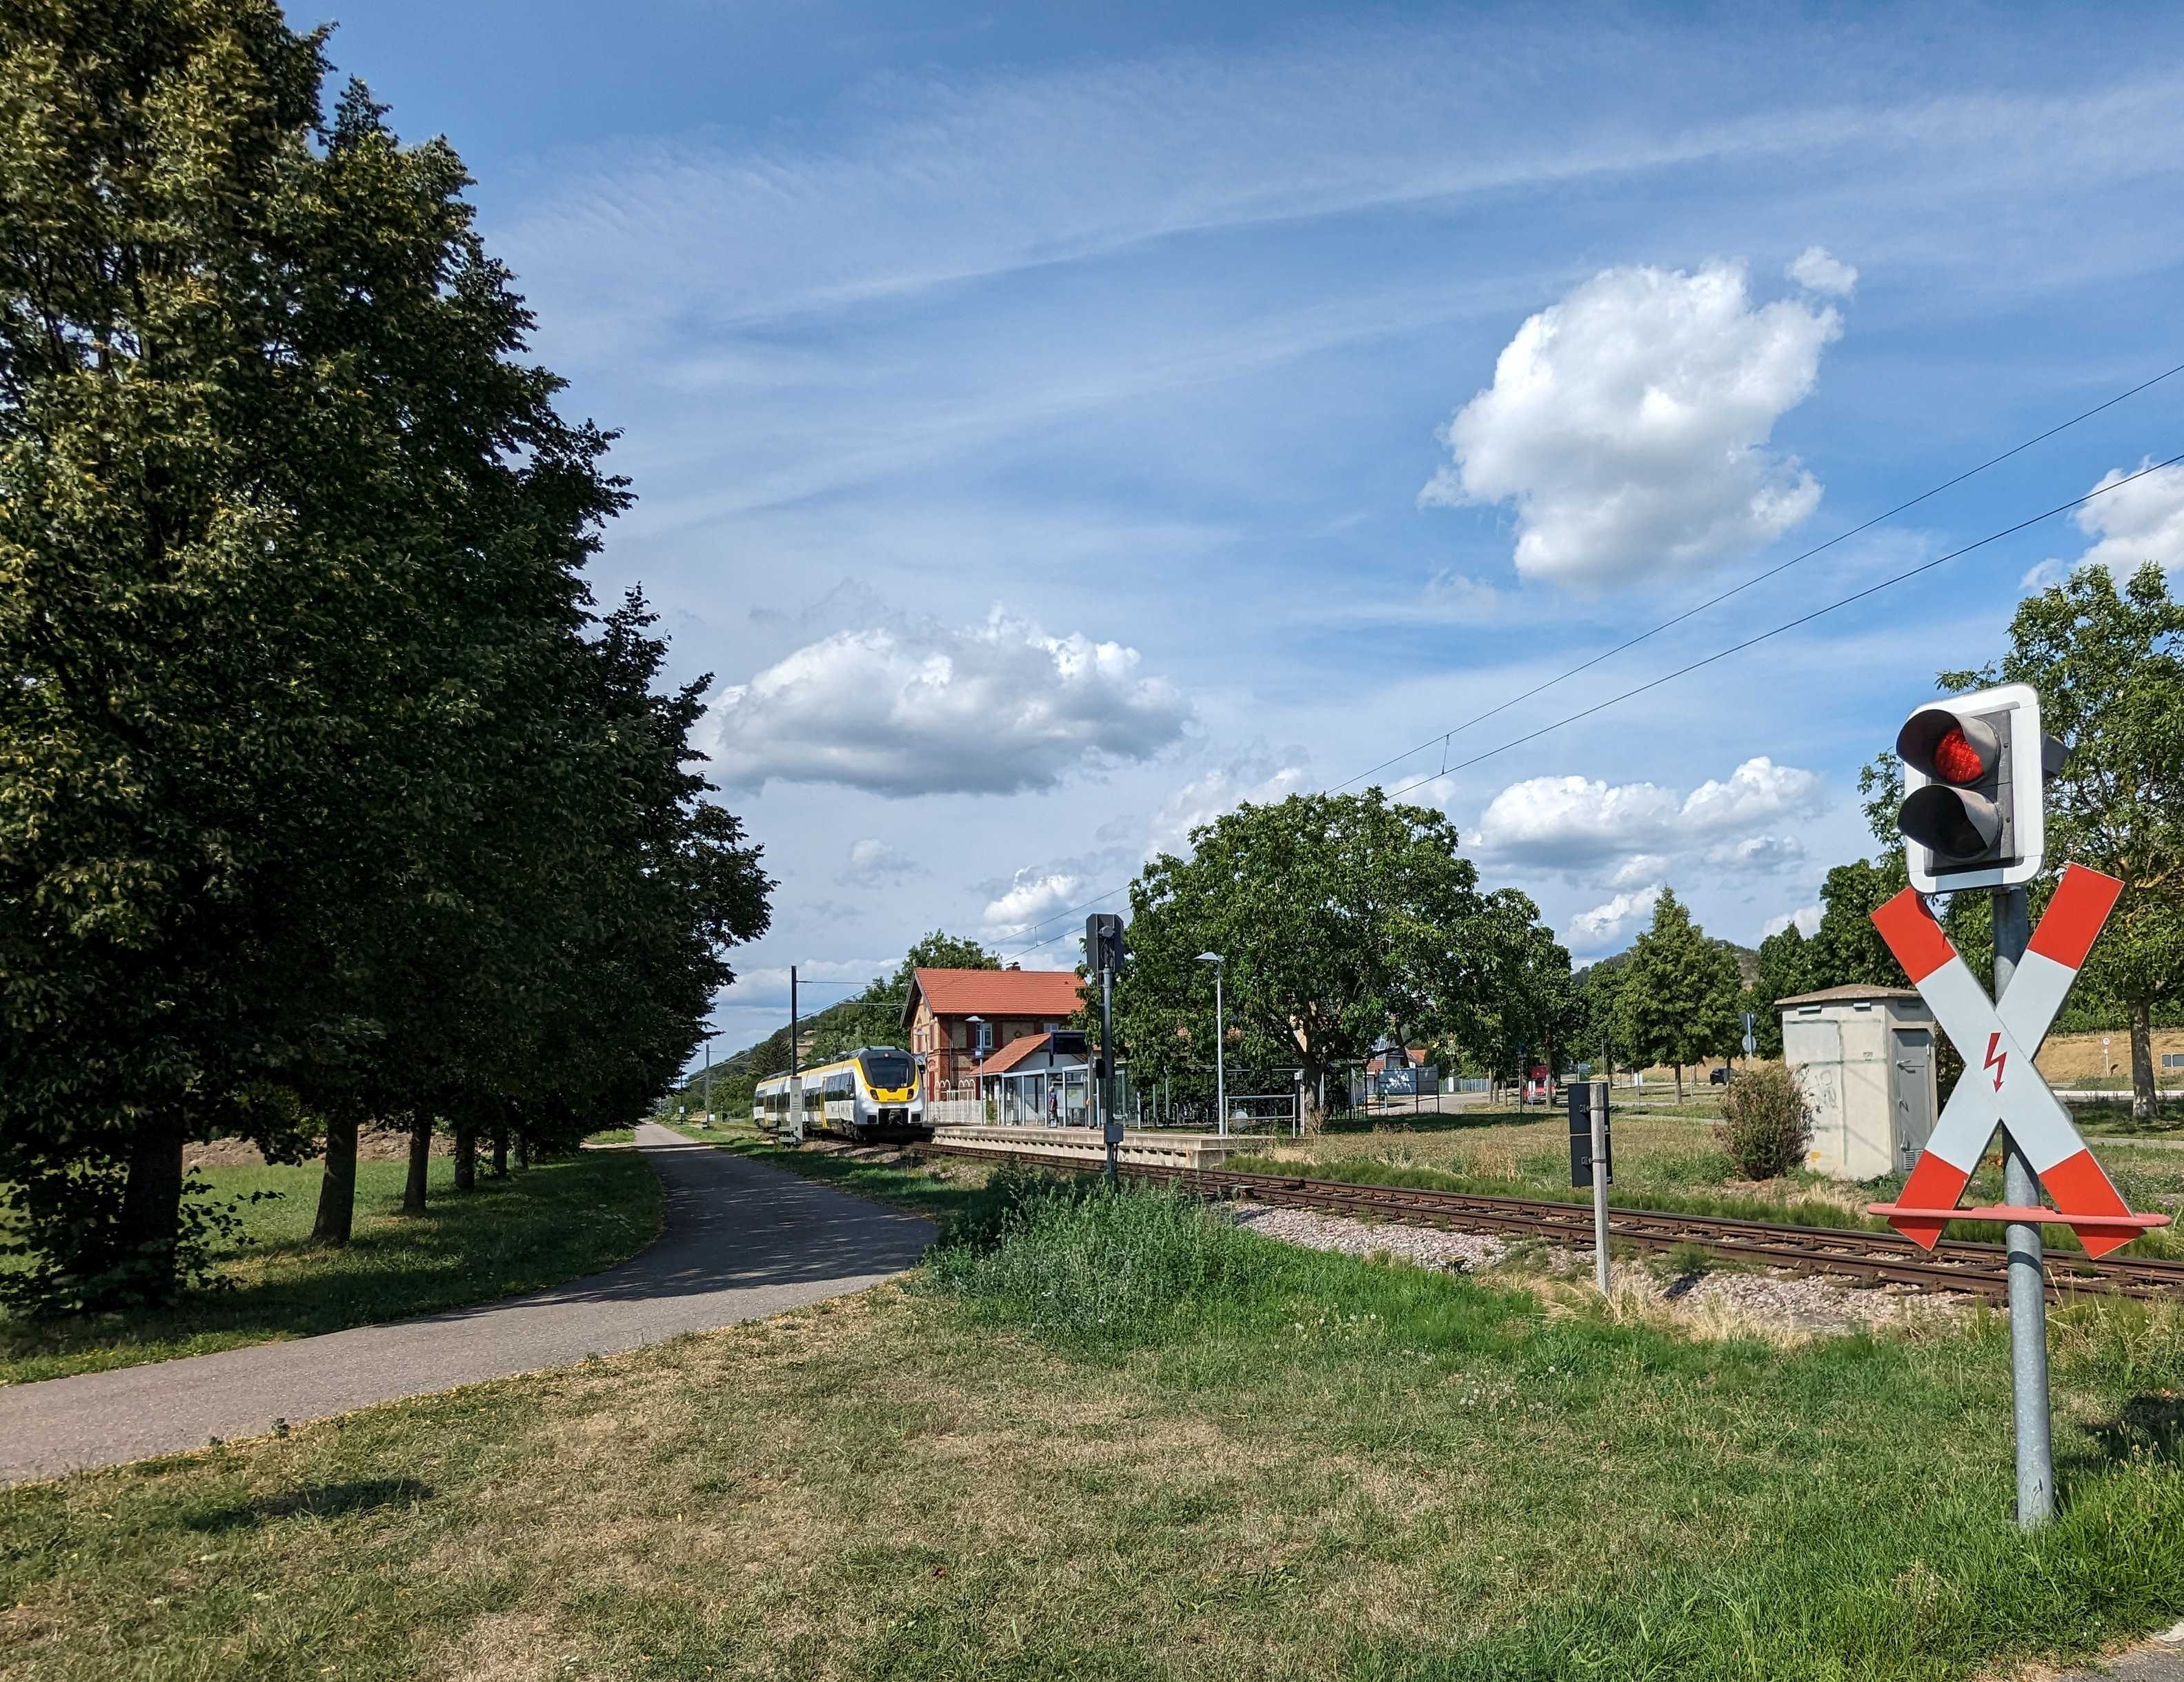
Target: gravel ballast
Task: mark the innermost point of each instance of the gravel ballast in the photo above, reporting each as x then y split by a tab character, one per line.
1798	1305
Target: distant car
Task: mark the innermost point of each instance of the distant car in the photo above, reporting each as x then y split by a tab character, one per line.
1720	1077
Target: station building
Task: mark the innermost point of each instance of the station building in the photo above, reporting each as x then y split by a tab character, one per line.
941	1016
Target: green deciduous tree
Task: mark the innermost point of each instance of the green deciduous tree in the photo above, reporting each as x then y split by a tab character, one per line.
1786	969
321	793
2109	663
1676	1002
1342	918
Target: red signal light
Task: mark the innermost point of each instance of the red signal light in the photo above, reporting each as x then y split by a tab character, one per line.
1956	760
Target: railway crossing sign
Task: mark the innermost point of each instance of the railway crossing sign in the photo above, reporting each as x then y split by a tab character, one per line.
2000	1083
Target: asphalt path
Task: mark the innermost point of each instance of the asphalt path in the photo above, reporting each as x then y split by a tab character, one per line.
739	1241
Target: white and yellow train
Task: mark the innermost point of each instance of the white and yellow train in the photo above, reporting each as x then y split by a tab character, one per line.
871	1094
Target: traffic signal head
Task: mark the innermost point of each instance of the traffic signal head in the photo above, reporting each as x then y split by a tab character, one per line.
1974	799
1103	942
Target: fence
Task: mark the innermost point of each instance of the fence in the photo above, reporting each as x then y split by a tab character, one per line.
1266	1112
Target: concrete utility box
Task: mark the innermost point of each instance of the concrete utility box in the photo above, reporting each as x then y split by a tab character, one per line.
1864	1056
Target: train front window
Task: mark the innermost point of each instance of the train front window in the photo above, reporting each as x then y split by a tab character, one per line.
886	1070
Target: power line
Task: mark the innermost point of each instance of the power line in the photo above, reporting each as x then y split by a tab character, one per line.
1710	659
1714	601
1757	578
1789	625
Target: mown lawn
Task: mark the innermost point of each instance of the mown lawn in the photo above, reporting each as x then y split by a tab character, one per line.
1117	1437
557	1220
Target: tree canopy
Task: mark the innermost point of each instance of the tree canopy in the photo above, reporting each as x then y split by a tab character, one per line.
1342	919
323	791
1676	1002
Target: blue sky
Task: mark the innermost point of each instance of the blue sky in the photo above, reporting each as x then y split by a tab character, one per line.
1053	426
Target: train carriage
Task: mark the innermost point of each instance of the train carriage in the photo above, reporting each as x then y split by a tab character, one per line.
872	1094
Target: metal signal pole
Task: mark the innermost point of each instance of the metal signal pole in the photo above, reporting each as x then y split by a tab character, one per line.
2027	1263
1111	1131
795	1068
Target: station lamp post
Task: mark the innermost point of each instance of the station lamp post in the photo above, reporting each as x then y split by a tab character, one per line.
1220	1044
977	1027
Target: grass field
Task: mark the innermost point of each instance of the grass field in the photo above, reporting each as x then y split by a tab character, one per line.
554	1222
1663	1162
1116	1437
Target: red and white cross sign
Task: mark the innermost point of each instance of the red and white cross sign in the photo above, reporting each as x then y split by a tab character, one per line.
2000	1083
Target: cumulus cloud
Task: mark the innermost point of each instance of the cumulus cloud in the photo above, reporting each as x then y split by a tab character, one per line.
1612	924
1629	423
994	708
1258	777
2142	521
1806	917
1031	896
873	863
1815	270
1579	824
1756	852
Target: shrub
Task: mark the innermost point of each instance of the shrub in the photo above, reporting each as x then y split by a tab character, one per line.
1080	1265
1766	1128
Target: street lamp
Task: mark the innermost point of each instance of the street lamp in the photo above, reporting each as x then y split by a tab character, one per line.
977	1027
709	1039
1220	1038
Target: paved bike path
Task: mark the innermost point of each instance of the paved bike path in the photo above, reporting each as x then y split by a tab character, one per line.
740	1241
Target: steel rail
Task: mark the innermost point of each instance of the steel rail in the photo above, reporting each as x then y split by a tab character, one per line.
1871	1256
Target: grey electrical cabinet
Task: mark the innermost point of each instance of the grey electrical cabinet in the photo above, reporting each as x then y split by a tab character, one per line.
1864	1056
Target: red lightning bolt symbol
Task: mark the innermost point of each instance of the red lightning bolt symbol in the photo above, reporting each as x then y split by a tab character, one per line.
1995	1059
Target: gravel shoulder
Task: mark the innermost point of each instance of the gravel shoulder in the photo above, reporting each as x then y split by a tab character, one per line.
1773	1303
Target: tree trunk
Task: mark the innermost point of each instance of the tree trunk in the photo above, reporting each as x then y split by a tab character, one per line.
337	1183
1679	1084
523	1149
151	1223
2142	1060
500	1150
421	1162
465	1156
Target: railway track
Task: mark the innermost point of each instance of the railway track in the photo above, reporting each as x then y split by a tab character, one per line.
1873	1257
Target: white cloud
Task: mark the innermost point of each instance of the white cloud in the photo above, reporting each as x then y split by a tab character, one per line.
1629	425
1756	852
1815	270
1033	895
1807	918
995	708
1612	923
823	981
1757	790
873	862
1258	776
2141	521
1579	824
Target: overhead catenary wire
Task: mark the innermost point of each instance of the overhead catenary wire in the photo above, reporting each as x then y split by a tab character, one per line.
1773	632
1757	578
1713	601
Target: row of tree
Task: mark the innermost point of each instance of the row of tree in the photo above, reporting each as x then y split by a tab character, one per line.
325	796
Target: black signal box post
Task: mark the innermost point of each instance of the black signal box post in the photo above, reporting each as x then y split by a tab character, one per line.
1580	1121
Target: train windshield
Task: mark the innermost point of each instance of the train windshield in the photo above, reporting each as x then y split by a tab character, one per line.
886	1069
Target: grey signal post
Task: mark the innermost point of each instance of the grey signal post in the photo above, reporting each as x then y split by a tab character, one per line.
1220	1044
1104	951
2021	1242
795	1068
1975	815
1594	1166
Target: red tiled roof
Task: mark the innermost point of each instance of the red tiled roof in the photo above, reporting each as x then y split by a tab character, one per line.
1014	1053
1052	993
